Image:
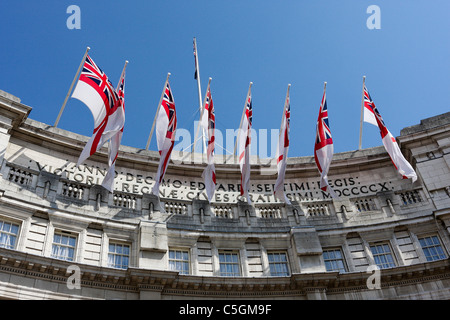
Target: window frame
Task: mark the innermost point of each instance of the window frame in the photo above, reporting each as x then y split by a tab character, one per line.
376	256
232	263
274	263
68	234
116	254
8	234
181	260
343	259
434	245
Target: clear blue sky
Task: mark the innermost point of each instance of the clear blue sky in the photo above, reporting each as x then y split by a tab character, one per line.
271	43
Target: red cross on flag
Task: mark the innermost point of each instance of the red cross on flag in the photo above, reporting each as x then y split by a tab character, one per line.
372	116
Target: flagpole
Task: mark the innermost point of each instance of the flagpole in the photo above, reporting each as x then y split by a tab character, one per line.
157	111
199	88
202	110
242	118
362	113
71	86
121	75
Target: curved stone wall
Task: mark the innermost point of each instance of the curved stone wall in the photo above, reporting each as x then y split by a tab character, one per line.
64	236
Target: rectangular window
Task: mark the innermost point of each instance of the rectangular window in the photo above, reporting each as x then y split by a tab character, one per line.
179	261
8	234
64	246
118	255
432	248
334	260
229	264
382	255
278	264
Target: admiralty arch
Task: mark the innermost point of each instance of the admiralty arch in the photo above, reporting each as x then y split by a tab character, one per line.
63	236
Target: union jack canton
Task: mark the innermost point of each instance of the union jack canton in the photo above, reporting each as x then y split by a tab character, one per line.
166	126
97	79
323	148
209	174
372	116
96	91
282	152
244	149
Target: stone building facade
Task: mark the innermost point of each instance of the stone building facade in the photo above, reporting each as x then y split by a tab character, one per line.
62	236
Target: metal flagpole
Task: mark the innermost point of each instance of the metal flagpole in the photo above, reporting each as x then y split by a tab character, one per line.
121	75
157	111
201	116
199	91
242	118
362	113
71	86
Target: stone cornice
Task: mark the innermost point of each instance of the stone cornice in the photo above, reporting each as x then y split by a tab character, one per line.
427	124
171	283
427	128
12	111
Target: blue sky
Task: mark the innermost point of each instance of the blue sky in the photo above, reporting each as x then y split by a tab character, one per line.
271	43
